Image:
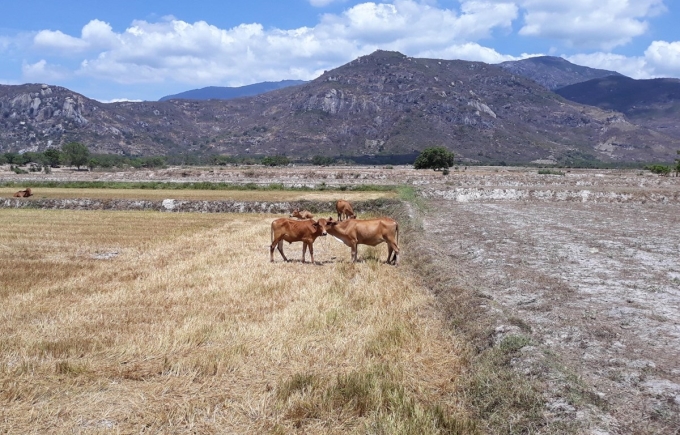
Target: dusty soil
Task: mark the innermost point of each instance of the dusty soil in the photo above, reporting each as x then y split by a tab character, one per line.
587	264
595	285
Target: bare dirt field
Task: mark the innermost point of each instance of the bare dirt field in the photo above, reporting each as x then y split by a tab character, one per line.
595	286
586	265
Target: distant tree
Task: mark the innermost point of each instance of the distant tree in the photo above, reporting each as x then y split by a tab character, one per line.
275	161
31	157
677	166
659	169
221	160
153	162
13	158
75	154
53	157
322	160
92	163
434	158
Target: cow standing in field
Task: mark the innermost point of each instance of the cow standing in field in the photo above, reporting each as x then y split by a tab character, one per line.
344	209
372	232
304	214
23	193
290	230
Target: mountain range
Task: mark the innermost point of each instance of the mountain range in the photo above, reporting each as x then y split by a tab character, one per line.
383	105
228	93
554	72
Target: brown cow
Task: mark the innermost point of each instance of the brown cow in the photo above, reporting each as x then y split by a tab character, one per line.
304	214
23	193
372	232
295	231
344	209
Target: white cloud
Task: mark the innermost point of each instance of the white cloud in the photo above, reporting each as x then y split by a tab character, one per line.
95	35
664	58
120	100
200	53
44	72
58	40
661	59
634	67
471	51
602	24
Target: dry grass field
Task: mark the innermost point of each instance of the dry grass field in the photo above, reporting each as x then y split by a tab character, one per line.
131	322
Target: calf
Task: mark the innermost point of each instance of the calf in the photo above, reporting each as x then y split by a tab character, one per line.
344	209
304	214
295	231
23	193
372	232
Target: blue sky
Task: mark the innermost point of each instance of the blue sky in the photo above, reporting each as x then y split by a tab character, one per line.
143	50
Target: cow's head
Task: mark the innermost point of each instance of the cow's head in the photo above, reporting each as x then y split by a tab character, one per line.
295	213
320	227
325	224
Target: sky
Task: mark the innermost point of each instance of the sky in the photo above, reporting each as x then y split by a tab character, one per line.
144	50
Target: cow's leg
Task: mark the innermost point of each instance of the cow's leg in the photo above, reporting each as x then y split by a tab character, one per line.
280	246
271	251
354	253
304	250
394	252
311	251
274	246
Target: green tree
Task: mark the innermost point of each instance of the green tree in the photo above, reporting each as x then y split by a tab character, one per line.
153	162
75	154
322	161
677	166
53	157
659	169
434	158
275	161
13	158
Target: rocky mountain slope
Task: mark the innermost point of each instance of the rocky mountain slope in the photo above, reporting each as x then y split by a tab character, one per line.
652	103
382	104
228	93
554	72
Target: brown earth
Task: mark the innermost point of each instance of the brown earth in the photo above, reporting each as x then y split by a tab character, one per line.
585	264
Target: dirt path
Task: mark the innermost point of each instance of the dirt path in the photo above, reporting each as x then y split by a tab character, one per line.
595	285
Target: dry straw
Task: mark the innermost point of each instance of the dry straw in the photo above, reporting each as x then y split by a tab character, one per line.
150	322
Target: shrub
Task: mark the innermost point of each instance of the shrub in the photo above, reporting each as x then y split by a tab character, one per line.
549	172
659	169
18	170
